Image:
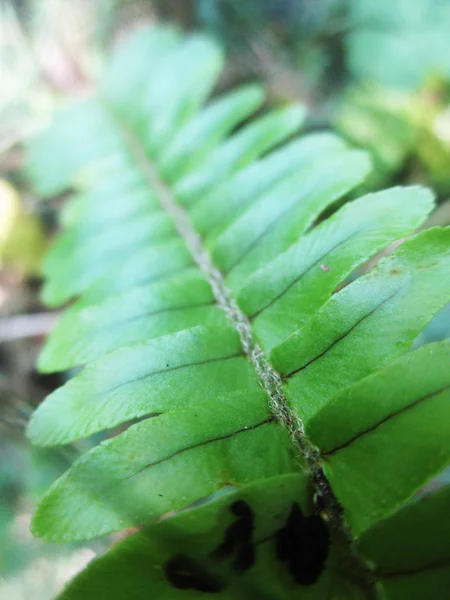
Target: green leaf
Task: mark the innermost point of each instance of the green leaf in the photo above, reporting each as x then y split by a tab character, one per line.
193	68
283	295
77	261
207	129
162	261
389	306
103	205
133	469
411	549
92	138
124	74
138	564
142	379
238	151
226	202
145	312
374	421
273	223
398	44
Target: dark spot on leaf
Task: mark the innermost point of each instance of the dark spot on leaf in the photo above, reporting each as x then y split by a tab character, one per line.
303	543
185	573
238	539
242	510
245	557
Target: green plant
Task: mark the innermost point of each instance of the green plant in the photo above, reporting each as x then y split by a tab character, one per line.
215	303
398	44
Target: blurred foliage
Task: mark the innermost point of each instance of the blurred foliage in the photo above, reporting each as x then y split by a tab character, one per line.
408	134
280	35
22	240
24	475
378	70
398	44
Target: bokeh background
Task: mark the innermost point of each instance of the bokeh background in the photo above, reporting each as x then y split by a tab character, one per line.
377	71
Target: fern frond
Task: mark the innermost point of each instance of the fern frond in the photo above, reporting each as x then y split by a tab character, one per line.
212	300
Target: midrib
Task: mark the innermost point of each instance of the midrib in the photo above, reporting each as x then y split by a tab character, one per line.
269	379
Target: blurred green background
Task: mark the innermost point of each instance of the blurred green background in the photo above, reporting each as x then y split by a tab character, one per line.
377	71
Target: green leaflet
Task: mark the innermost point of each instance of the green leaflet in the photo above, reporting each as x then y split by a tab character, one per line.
193	238
193	67
283	295
101	202
92	129
91	257
226	202
431	582
411	549
137	564
143	313
238	151
207	129
76	264
372	424
273	223
134	470
155	263
416	33
143	379
389	306
200	134
122	80
91	137
104	206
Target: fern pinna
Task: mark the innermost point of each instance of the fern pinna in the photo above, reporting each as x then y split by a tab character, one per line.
274	426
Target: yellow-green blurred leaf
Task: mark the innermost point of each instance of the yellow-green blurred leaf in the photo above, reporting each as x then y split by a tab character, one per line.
22	240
